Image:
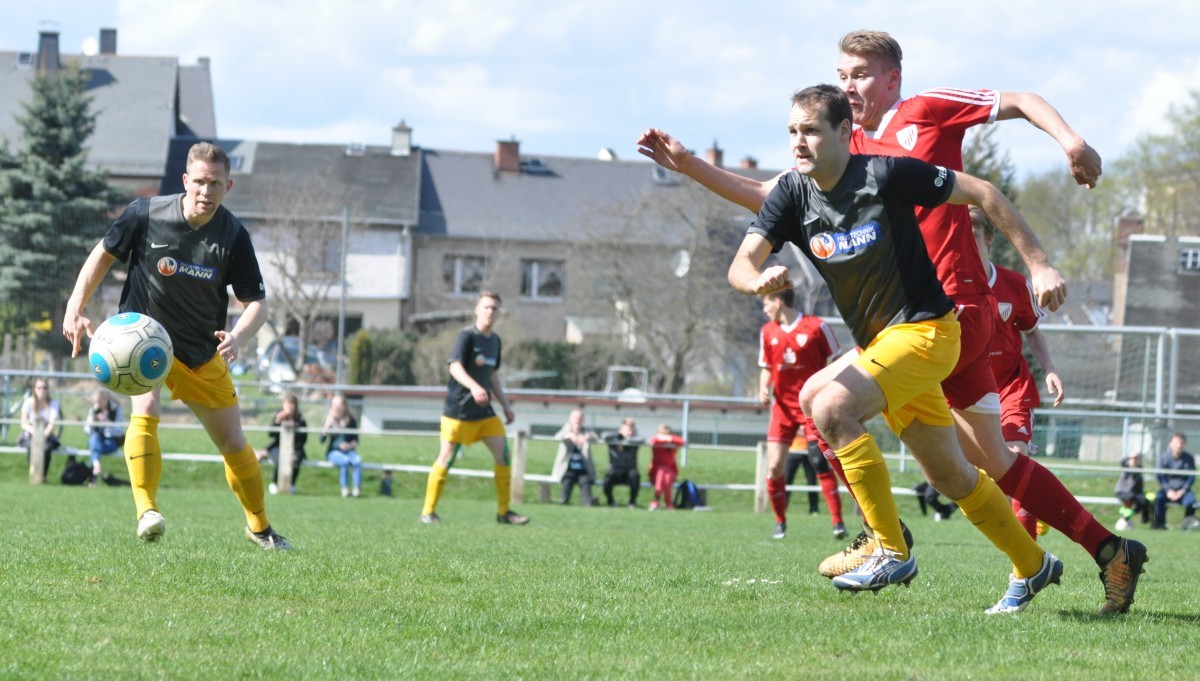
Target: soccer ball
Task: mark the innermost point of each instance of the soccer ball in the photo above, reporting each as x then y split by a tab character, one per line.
130	354
1123	525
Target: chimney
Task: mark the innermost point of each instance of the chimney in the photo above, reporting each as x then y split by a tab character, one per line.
716	155
48	51
108	41
402	140
749	163
508	156
1127	225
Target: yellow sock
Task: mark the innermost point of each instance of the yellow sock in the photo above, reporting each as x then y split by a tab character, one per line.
988	508
244	475
503	487
433	488
143	457
868	476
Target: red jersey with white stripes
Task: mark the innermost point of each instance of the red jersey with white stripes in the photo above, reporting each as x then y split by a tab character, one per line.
1018	314
792	354
930	127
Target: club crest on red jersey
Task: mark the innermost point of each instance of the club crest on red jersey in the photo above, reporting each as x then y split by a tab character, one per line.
1005	311
907	137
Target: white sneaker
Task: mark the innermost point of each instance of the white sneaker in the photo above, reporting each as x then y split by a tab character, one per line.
152	526
273	488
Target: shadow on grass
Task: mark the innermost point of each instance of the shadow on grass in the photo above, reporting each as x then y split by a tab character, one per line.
1093	617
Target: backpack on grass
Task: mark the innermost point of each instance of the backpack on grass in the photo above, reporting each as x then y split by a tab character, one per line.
688	495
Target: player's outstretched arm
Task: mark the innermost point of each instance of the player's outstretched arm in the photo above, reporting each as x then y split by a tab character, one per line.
1085	164
1040	349
1048	283
75	325
670	153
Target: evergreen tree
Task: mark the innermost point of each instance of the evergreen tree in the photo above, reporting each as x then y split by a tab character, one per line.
983	158
53	209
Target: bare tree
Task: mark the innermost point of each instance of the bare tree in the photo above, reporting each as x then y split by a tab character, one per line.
666	270
302	236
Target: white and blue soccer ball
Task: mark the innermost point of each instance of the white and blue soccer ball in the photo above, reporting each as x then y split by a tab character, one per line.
130	354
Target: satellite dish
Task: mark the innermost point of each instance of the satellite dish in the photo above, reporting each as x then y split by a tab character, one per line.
681	262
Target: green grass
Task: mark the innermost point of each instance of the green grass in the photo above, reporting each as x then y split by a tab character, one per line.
579	593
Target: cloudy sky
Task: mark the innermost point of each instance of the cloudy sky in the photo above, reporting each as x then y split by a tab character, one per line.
570	78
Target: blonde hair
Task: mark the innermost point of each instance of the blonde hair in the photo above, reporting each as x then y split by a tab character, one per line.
872	44
664	429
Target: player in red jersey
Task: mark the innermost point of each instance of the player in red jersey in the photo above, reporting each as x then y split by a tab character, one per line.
931	126
1017	317
792	347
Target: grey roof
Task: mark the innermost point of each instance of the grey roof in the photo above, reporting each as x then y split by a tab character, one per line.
378	187
197	117
554	198
133	99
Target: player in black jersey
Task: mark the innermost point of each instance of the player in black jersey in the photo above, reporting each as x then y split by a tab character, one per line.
183	252
468	417
852	216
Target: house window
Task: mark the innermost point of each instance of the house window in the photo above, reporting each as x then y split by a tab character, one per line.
1189	261
464	274
542	279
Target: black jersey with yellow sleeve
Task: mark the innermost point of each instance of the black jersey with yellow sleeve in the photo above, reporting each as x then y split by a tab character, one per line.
863	238
179	275
479	354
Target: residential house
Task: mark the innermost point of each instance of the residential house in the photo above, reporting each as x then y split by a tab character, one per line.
140	102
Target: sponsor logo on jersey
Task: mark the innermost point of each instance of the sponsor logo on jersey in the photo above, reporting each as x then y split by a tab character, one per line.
828	244
169	267
789	357
907	137
1005	311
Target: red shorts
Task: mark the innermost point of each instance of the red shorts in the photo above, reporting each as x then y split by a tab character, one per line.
785	424
972	378
1016	421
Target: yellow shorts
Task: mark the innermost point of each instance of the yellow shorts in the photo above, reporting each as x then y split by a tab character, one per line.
909	362
470	432
208	385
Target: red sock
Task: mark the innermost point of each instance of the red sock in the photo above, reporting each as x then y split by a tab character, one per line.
777	491
829	488
1045	496
1027	519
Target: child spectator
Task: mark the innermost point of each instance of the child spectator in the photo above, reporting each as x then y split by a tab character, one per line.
663	470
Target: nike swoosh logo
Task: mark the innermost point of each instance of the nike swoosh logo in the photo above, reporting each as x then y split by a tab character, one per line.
154	245
879	365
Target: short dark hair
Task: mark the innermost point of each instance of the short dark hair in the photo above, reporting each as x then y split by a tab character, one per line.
787	296
872	44
828	100
1181	436
489	294
211	153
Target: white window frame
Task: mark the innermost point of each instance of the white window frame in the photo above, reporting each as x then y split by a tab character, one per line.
455	287
535	266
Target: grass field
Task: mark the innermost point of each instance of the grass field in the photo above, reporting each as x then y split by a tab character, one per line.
577	594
